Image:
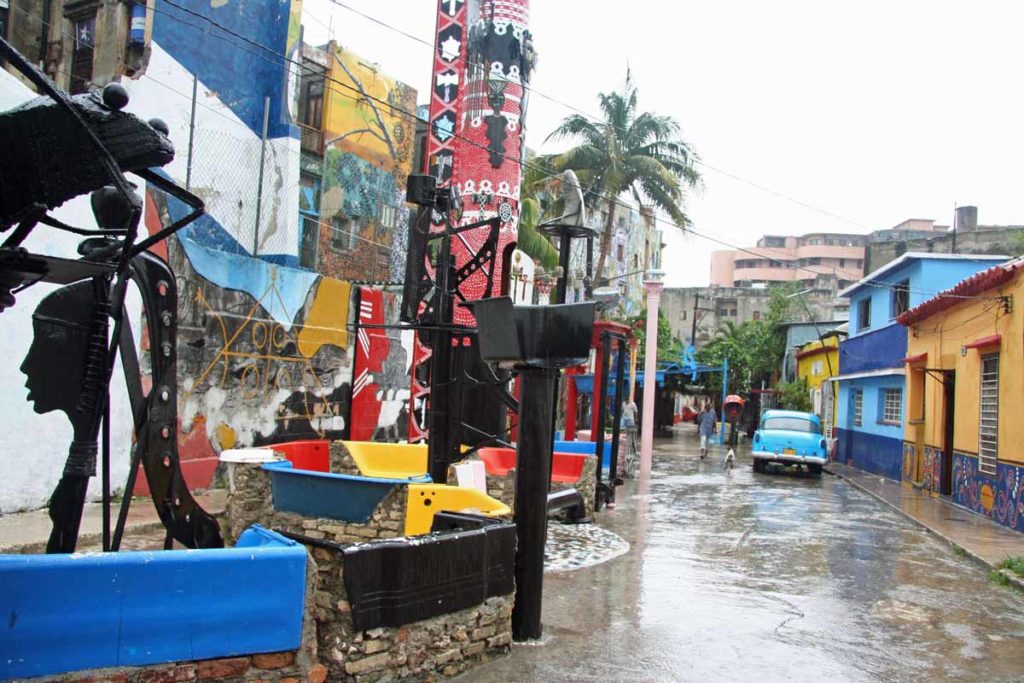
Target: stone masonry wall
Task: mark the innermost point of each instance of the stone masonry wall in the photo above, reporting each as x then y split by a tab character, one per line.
441	646
250	502
504	488
342	461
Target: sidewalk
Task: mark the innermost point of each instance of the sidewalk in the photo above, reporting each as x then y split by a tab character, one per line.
982	539
27	532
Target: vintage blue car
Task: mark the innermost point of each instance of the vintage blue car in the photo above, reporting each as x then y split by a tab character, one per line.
789	437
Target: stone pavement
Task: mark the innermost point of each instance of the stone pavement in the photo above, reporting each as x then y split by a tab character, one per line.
27	532
981	538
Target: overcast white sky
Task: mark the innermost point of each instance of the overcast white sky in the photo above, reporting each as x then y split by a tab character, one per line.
874	111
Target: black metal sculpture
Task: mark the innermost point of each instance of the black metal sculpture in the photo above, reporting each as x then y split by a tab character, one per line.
52	149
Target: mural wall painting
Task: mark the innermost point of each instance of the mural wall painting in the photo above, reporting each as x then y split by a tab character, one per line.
264	351
383	357
369	133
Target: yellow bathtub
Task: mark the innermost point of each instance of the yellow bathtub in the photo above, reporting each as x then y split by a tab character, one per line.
426	499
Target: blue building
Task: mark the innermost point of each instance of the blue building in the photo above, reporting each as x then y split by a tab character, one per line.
870	405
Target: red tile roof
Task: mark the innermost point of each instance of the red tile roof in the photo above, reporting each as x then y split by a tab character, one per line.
965	289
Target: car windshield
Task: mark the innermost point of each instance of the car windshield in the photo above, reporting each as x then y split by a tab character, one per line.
792	424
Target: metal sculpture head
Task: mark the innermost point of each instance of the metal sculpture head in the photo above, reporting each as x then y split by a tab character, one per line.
54	365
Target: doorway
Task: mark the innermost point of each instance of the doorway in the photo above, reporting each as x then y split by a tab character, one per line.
948	423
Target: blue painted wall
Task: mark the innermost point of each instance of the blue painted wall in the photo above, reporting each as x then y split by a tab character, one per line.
872	405
137	608
242	71
872	453
927	276
876	350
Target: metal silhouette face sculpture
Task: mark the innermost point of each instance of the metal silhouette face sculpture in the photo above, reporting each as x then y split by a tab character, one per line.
54	364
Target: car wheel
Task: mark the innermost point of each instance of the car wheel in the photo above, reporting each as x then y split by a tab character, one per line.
814	469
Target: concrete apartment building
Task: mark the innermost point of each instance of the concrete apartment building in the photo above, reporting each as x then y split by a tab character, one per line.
921	235
802	259
711	307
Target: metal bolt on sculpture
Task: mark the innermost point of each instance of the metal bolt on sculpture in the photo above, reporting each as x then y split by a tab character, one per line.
57	147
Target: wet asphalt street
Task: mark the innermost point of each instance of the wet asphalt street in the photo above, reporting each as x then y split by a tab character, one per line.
734	576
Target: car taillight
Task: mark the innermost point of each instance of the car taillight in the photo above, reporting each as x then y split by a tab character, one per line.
823	444
757	436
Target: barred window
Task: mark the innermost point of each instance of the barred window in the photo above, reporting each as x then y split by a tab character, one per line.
858	408
892	405
988	423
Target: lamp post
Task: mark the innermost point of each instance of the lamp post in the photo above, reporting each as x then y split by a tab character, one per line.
653	284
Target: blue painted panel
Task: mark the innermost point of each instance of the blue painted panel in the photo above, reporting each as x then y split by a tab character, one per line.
871	406
242	74
877	350
324	494
66	613
881	455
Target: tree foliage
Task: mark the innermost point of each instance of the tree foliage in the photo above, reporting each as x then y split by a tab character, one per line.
669	347
754	348
795	395
627	151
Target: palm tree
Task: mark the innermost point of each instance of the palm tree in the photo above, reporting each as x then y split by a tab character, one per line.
627	151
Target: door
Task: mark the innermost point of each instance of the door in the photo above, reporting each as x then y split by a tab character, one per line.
948	422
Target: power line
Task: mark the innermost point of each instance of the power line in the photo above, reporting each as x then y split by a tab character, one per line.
281	60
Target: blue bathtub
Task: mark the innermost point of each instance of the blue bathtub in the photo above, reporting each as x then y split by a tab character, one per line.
344	497
65	613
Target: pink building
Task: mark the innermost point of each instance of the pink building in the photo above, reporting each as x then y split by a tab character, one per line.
804	259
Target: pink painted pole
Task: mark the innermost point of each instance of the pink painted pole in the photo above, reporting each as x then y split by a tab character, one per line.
653	285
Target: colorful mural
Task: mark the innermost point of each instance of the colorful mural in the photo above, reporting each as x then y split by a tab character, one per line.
380	388
1000	497
264	351
369	130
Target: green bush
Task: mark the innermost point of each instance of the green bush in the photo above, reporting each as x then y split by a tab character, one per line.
795	396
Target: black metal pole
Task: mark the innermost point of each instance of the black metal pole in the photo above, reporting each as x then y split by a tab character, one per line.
620	367
105	472
533	471
601	407
440	404
563	262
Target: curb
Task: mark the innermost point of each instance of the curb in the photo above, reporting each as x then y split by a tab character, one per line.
953	544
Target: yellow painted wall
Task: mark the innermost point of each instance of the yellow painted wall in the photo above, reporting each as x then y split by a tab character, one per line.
941	336
356	118
805	366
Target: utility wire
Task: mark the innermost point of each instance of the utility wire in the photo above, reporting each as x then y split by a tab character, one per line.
278	59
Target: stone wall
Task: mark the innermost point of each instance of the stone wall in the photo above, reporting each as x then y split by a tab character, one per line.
504	488
250	502
444	645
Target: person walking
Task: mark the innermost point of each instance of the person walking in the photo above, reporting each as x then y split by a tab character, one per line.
628	414
707	424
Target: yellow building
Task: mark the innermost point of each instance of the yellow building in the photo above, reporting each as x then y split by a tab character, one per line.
816	362
964	435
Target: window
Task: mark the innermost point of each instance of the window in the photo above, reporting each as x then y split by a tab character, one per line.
756	315
309	242
618	253
900	297
842	263
792	424
344	233
892	405
988	423
81	58
858	407
311	96
732	312
863	314
817	368
682	315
